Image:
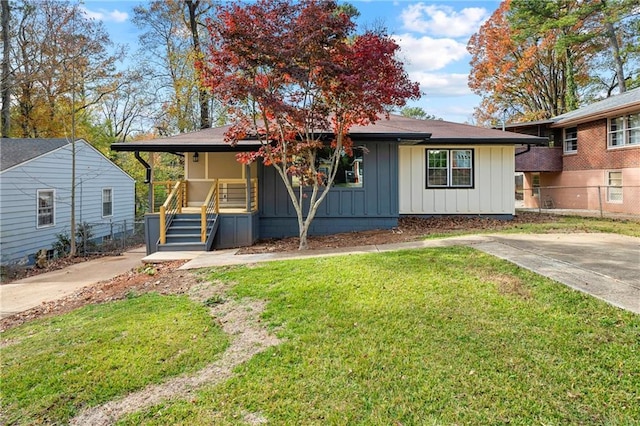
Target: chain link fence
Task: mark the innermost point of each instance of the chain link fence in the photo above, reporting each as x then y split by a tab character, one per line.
102	238
592	200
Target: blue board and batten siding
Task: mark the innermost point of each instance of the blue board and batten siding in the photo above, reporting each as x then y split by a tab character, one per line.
346	209
20	236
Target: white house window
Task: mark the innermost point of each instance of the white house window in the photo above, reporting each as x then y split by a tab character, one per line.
449	168
624	130
571	140
614	187
107	202
46	208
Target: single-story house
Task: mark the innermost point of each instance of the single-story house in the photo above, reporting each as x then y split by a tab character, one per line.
402	166
592	160
35	195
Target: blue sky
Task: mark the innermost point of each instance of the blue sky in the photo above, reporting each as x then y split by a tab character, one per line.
432	35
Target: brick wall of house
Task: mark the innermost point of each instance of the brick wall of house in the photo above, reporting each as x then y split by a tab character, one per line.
594	154
583	190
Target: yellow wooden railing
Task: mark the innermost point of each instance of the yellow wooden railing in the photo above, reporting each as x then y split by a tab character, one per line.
209	209
172	206
233	189
161	189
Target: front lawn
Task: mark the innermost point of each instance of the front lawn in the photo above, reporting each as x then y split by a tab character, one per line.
433	336
52	368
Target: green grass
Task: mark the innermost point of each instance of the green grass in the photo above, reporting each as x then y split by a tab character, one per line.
59	365
581	224
560	224
435	336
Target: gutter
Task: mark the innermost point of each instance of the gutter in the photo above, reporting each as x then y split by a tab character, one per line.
525	151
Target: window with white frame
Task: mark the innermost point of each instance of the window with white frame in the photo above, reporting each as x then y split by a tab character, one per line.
107	202
46	208
614	187
449	168
624	130
535	184
571	139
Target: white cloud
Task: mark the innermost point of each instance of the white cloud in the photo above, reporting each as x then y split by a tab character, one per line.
441	84
443	20
106	15
429	54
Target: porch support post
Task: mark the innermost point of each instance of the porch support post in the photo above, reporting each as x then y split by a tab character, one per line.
247	174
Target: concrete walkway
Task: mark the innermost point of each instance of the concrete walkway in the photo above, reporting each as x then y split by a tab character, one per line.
606	266
27	293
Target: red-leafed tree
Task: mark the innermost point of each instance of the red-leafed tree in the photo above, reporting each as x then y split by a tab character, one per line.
298	77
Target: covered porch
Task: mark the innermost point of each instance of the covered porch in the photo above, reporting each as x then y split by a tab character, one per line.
214	205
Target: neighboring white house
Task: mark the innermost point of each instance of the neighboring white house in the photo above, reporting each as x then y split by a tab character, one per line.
35	195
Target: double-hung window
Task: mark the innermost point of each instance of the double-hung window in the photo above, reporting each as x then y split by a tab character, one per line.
624	131
107	202
449	168
46	208
614	187
571	140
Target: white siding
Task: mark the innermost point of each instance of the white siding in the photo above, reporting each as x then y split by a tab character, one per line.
19	235
492	194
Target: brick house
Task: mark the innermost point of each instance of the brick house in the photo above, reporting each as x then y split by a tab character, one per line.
592	161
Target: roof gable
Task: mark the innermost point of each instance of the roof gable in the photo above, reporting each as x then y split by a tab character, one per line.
18	151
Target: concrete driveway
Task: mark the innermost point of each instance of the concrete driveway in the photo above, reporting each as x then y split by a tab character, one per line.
606	266
27	293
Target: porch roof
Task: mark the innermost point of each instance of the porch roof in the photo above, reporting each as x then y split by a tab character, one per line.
403	130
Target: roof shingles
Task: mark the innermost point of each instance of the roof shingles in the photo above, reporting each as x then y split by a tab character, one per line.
17	151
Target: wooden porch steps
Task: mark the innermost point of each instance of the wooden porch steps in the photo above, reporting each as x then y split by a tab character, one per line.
184	233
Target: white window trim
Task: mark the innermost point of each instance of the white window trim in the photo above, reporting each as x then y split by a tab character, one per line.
565	140
53	208
624	132
535	187
607	177
102	204
450	168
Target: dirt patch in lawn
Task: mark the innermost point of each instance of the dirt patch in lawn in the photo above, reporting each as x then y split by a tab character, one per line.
240	320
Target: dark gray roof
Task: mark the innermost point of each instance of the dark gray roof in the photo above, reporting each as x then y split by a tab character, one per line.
16	151
397	128
604	108
440	131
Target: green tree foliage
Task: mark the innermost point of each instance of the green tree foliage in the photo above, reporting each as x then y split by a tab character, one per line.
418	113
536	59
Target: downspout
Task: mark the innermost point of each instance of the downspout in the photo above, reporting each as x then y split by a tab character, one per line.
525	151
147	178
146	166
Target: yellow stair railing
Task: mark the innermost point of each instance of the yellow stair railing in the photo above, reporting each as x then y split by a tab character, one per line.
209	209
172	206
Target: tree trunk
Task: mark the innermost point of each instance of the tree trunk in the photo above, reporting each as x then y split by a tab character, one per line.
203	97
5	78
615	50
572	90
